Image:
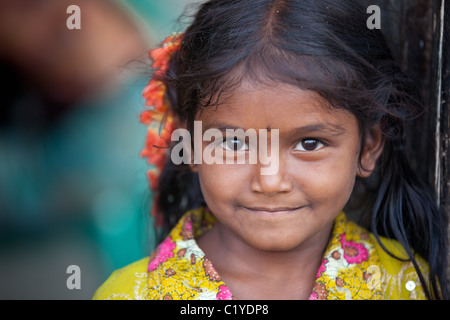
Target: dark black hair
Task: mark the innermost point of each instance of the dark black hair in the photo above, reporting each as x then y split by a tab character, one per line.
324	46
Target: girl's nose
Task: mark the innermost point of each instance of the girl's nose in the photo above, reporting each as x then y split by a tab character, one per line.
271	182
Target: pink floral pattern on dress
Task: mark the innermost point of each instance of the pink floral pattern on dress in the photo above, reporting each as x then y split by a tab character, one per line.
322	267
224	293
354	252
313	296
164	252
188	225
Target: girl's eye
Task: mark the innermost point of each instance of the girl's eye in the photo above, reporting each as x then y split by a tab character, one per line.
234	144
309	144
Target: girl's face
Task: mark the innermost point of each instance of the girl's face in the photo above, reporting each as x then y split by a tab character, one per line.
318	161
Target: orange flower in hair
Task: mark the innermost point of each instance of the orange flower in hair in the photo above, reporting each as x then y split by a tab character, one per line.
154	95
159	117
161	56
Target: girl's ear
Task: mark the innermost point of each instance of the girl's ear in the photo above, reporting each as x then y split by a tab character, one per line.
373	148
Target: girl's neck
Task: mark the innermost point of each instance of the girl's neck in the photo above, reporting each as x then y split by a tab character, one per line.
251	273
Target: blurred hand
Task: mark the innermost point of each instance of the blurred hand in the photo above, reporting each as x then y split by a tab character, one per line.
66	65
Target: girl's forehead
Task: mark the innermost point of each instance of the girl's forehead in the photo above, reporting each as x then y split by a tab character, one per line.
280	101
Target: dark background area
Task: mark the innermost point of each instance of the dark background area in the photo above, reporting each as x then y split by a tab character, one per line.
418	32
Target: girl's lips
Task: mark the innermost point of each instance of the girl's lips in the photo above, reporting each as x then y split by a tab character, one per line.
273	211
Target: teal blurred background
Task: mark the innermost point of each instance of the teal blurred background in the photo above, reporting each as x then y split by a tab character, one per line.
73	189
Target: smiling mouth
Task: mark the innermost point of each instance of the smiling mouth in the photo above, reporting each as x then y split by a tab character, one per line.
273	211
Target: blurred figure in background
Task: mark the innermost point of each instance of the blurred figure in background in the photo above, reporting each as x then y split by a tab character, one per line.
73	190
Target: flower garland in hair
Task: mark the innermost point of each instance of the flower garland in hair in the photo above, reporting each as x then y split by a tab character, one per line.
159	118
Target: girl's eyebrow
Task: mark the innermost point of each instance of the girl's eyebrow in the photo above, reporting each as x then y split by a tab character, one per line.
326	128
218	125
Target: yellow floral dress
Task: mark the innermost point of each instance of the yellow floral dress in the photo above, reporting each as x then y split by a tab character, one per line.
354	266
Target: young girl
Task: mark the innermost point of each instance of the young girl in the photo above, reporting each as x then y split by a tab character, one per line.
311	75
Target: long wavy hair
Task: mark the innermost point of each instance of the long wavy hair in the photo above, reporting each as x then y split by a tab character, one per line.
324	46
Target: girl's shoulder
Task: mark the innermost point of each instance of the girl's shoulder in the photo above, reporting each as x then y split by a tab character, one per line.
178	251
357	266
398	274
392	272
127	283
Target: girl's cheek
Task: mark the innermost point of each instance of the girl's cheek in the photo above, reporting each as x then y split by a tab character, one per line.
327	179
220	178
